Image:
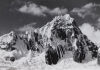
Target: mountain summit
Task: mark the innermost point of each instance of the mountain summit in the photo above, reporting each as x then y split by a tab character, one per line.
55	38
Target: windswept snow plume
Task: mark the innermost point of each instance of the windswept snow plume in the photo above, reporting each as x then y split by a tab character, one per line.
91	33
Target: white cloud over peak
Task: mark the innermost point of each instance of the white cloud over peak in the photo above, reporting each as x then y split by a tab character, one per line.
91	33
33	9
28	27
40	10
57	11
89	9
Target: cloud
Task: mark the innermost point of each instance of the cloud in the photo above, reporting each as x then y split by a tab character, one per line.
27	27
89	9
57	11
91	33
40	10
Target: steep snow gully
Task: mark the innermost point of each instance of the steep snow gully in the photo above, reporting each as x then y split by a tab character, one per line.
58	45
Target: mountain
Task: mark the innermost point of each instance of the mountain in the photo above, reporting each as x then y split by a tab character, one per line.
61	35
55	38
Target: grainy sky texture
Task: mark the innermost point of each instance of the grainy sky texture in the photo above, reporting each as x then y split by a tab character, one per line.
17	13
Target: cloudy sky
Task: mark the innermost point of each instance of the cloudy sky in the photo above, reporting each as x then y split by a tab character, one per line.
17	13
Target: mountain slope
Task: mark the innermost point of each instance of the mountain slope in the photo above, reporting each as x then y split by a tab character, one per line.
62	35
55	40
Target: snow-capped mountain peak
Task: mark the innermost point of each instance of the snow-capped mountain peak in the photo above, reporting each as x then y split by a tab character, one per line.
55	38
68	18
6	39
60	22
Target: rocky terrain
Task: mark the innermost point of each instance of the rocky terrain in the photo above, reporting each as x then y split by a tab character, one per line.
57	43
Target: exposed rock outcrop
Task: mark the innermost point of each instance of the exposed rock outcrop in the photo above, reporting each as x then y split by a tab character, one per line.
55	38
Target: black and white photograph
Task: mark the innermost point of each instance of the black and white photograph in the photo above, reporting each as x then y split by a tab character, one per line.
49	34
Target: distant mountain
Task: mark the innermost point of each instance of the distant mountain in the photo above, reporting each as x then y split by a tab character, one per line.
55	38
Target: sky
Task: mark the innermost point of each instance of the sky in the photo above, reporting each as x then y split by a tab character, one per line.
18	13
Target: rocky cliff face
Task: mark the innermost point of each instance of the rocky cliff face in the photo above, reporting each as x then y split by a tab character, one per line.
55	38
62	35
